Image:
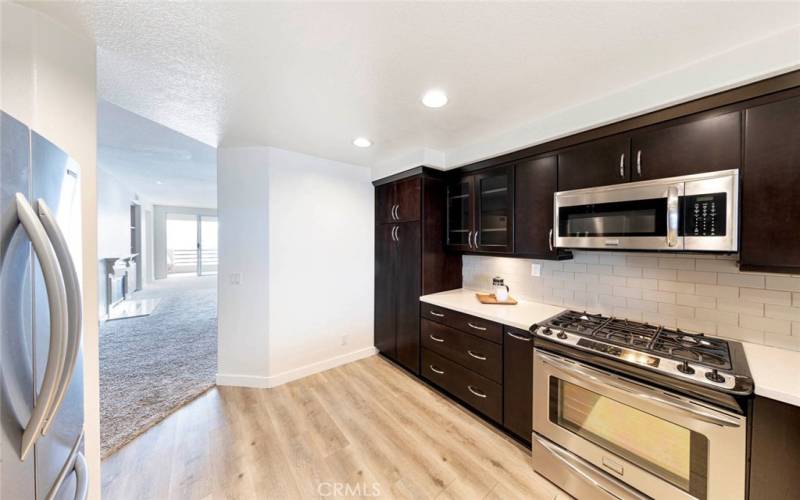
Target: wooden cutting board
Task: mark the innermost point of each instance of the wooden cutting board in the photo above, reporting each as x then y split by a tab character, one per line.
489	298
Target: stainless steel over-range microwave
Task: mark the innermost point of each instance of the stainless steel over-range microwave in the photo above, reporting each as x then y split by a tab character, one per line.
690	213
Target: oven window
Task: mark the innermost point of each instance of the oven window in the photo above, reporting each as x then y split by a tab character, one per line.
674	453
627	218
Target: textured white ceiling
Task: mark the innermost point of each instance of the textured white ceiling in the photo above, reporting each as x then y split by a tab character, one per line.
310	77
160	165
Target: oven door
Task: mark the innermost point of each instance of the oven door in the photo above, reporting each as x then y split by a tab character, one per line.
661	444
644	216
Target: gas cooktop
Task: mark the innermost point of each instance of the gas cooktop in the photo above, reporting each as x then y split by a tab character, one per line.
692	357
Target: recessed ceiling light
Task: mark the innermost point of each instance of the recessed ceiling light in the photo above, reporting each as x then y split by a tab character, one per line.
434	98
362	142
159	183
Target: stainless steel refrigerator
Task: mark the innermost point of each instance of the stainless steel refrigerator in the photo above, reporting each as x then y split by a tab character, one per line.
41	372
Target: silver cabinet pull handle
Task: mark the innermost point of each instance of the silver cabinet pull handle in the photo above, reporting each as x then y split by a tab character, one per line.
477	393
639	163
59	321
476	356
518	337
397	212
550	239
476	327
74	308
469	239
436	370
622	165
394	216
397	233
436	339
477	233
672	216
438	315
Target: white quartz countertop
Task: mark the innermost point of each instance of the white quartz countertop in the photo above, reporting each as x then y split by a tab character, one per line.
776	372
521	315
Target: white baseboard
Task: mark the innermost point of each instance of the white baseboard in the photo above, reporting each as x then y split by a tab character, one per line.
294	374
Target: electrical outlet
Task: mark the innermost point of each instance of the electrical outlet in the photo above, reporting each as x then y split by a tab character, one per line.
236	278
345	339
536	270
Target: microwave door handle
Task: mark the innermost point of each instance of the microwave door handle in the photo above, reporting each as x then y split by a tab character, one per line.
611	487
672	216
74	307
598	377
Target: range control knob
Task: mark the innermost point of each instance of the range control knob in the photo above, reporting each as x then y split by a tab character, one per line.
546	331
714	376
562	335
685	368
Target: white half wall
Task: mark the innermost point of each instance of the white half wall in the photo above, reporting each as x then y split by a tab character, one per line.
300	230
49	83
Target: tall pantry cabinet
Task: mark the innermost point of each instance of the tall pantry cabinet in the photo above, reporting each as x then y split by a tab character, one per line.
410	259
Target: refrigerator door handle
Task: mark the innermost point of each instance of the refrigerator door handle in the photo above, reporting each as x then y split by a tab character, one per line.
82	475
57	301
74	313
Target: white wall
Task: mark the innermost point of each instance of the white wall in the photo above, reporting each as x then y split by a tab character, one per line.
300	230
113	216
49	83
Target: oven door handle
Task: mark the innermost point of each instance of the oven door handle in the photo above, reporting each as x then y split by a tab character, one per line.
686	406
599	481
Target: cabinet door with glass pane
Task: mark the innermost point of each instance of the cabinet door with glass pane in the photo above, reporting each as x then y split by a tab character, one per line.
460	214
494	210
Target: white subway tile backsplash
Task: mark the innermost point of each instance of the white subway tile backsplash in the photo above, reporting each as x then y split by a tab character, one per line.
727	292
696	301
788	283
676	263
741	279
697	277
766	296
782	312
765	324
704	293
660	274
658	296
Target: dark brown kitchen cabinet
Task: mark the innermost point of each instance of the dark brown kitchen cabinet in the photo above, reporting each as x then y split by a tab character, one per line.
410	261
774	451
770	204
480	211
687	146
535	184
398	201
518	383
597	163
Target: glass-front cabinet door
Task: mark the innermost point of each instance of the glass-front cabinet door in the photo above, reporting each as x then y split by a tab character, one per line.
494	218
459	214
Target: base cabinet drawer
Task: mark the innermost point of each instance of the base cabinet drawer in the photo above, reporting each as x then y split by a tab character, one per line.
482	328
478	392
480	356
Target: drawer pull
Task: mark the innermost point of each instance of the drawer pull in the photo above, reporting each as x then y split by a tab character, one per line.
518	337
438	315
477	393
436	370
436	339
481	328
476	356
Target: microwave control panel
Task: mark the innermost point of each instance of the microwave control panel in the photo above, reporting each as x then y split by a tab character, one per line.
704	215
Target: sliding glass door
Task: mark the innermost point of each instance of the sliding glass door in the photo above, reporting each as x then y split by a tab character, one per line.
191	244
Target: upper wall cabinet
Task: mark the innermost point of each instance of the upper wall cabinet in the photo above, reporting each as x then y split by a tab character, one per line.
770	193
398	201
480	211
535	184
687	147
597	163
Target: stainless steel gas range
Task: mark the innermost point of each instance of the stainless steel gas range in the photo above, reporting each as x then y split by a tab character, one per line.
630	410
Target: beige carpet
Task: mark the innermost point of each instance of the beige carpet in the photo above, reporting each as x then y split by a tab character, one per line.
150	366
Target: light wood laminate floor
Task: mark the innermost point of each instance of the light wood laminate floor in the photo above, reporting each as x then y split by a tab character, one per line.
364	429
